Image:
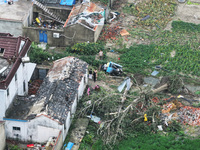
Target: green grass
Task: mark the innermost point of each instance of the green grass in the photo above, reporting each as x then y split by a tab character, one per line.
158	142
140	57
185	26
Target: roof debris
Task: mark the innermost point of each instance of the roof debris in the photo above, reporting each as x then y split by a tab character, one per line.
88	14
55	95
175	110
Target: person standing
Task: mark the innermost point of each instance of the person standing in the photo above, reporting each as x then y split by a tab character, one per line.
90	74
101	55
95	75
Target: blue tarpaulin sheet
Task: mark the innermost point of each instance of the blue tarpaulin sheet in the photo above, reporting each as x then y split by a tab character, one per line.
67	2
5	1
69	146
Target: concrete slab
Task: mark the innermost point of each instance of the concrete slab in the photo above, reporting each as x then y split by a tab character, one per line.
78	132
188	13
17	11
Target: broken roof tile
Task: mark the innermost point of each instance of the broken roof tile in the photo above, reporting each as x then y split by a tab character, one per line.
56	93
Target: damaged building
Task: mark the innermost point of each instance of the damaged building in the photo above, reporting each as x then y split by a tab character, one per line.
50	112
57	23
15	69
82	23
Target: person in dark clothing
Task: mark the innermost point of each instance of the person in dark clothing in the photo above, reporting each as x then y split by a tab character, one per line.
90	74
95	75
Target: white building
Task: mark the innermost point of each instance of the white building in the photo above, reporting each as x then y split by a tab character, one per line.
49	114
14	72
2	136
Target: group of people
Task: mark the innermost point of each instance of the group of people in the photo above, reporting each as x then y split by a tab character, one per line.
93	75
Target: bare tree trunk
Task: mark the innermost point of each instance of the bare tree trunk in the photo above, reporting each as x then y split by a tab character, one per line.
161	88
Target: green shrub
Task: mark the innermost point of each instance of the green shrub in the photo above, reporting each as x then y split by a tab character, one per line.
38	55
87	48
92	61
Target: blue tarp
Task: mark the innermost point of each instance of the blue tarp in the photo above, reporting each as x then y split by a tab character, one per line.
5	1
67	2
69	146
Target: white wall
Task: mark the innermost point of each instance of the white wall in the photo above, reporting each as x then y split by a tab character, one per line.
16	86
30	15
10	133
45	133
67	123
44	121
2	137
30	67
36	130
12	92
3	98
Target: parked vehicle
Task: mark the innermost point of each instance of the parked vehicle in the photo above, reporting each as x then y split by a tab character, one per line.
112	68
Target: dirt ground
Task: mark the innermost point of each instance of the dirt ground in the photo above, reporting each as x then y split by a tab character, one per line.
186	13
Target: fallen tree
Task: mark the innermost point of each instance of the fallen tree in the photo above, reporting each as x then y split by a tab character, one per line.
122	112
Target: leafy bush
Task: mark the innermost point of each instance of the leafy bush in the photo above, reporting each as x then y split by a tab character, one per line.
38	55
92	61
87	48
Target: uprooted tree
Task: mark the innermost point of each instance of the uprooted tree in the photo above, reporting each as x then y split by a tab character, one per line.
124	112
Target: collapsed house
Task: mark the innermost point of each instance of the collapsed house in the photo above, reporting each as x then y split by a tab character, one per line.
82	23
15	69
57	23
50	112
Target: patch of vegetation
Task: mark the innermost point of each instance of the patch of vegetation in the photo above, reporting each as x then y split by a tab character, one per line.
14	147
180	26
92	61
191	3
91	141
158	142
87	48
139	58
105	2
197	92
159	11
38	55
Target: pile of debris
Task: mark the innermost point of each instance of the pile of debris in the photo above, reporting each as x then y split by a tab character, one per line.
34	86
176	110
110	33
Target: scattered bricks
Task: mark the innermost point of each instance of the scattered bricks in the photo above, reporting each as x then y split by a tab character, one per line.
155	100
186	114
34	86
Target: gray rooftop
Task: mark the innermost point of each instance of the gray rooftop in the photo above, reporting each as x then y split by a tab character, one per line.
56	94
16	11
